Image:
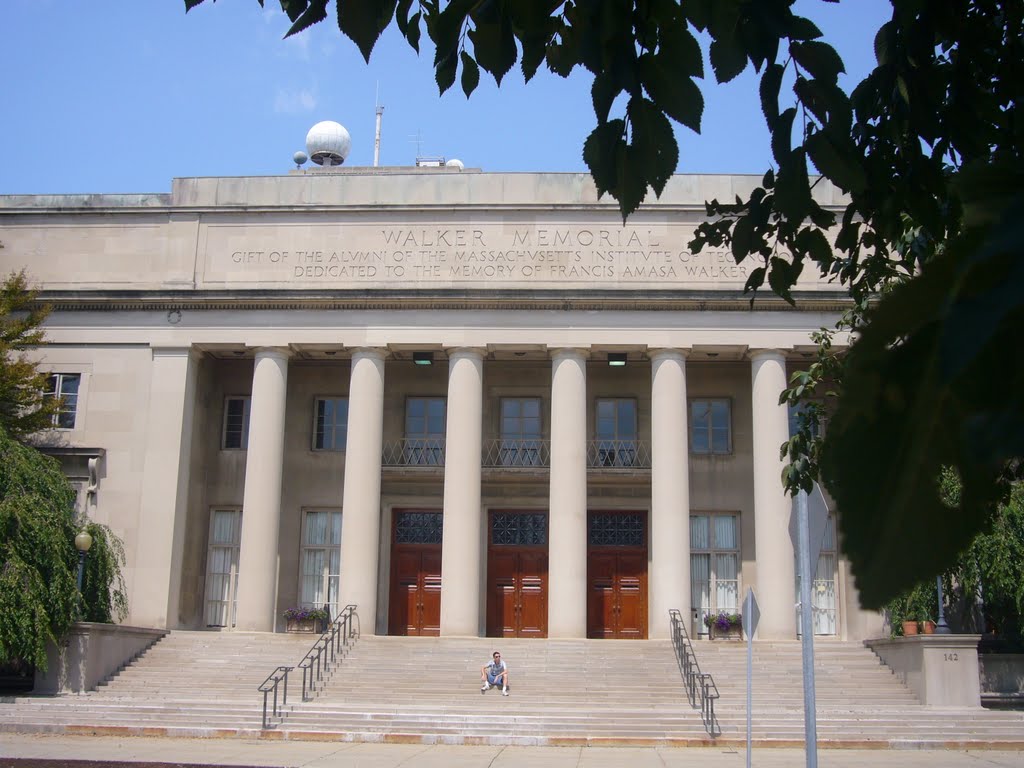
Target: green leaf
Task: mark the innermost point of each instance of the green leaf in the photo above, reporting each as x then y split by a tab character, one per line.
742	238
314	13
782	135
841	164
728	59
600	152
803	29
771	82
603	92
470	74
363	20
819	59
444	72
653	143
676	94
494	45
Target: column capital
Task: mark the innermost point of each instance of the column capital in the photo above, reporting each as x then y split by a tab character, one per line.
668	353
281	353
375	353
770	353
570	353
478	353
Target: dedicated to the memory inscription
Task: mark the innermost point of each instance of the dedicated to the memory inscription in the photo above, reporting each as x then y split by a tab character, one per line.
485	254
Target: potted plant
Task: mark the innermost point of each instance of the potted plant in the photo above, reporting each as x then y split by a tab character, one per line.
723	625
305	619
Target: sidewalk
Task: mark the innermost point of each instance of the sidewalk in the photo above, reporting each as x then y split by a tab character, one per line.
227	752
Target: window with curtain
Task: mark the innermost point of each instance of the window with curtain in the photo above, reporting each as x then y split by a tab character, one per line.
710	427
331	426
320	560
714	565
222	567
236	423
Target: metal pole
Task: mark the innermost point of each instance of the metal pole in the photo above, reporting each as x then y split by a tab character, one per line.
942	628
806	629
81	570
750	695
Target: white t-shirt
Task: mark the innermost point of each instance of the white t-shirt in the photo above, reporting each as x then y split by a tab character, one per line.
495	668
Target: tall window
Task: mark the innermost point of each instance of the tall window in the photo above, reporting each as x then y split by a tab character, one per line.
714	565
520	432
222	567
236	422
710	427
321	560
424	430
64	385
615	432
823	588
331	424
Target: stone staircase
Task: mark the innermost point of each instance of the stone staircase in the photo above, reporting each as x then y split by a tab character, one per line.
562	692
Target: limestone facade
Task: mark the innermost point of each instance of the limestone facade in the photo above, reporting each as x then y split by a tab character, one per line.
263	434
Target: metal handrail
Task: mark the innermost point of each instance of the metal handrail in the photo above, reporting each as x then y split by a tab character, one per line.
413	452
329	648
271	685
316	665
517	453
618	454
700	686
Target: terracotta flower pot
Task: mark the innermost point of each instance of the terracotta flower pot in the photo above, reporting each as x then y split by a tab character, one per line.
909	628
928	627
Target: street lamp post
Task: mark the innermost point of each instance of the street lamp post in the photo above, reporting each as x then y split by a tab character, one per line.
82	543
942	627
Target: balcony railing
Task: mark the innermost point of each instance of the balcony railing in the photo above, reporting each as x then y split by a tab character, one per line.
413	452
618	454
517	454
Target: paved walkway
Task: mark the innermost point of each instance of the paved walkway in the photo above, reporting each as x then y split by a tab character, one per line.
25	751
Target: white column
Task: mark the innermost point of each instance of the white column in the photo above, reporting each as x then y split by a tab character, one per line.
776	585
164	506
261	502
670	492
567	543
460	548
360	511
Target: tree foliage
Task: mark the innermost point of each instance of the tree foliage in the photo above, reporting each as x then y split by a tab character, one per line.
23	407
39	597
931	136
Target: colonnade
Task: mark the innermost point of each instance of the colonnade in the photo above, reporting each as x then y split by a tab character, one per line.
461	601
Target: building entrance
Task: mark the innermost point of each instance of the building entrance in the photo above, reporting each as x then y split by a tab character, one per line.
617	575
517	574
415	602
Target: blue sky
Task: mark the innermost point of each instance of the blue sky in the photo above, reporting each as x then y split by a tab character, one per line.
123	95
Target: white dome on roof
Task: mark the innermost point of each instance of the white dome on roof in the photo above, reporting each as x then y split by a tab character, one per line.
455	163
328	143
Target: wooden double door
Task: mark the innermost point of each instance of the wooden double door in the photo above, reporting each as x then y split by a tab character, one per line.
617	575
415	601
517	574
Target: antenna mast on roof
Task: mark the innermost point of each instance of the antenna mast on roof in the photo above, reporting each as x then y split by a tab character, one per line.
376	139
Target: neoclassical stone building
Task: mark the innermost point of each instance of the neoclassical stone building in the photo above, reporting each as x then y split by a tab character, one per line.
470	403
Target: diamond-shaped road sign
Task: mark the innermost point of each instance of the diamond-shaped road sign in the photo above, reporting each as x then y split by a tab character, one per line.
751	613
817	515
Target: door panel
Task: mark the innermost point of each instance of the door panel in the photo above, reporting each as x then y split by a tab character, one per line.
430	595
533	594
617	578
601	596
517	574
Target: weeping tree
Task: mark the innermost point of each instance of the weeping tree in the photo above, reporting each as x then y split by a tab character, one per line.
39	598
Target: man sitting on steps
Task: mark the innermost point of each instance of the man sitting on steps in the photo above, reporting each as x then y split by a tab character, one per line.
492	673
